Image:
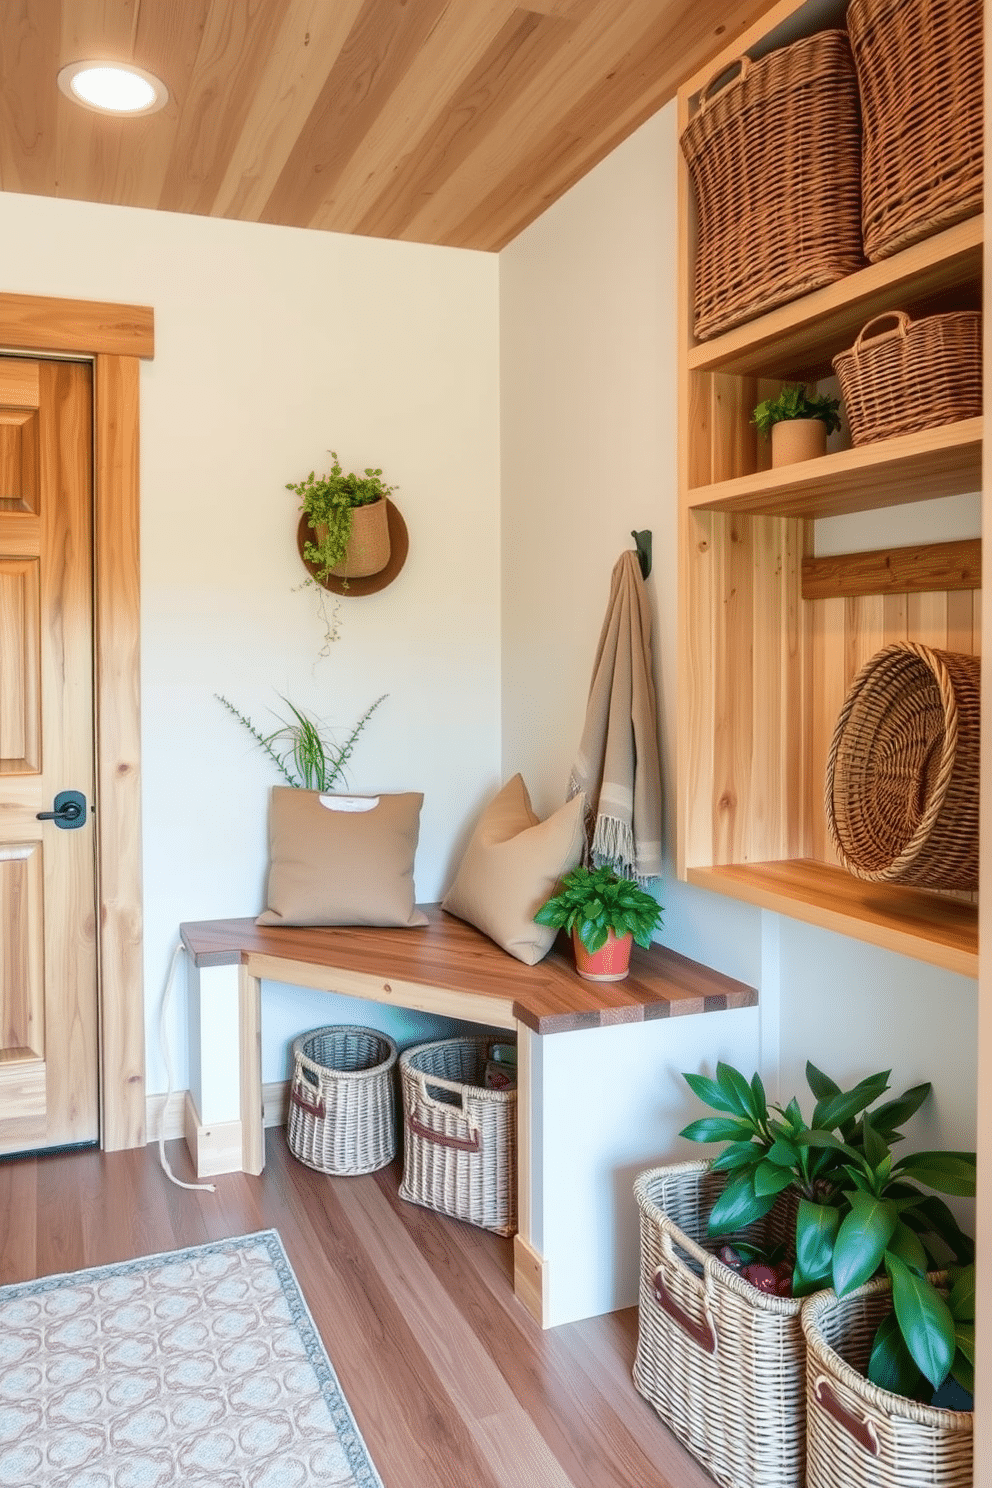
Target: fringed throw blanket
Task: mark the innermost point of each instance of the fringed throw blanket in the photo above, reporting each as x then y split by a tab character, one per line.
618	762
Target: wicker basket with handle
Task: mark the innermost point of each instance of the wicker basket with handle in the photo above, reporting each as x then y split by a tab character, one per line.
860	1436
342	1100
460	1148
919	67
901	792
722	1363
914	374
775	161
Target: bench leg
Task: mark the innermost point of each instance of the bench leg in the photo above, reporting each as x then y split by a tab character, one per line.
250	1028
529	1277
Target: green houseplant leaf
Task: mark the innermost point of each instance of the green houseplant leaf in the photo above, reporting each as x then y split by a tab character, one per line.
861	1241
816	1232
924	1320
948	1172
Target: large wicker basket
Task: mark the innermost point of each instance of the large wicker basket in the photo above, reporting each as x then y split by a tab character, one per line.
775	160
919	66
913	375
859	1436
901	791
722	1363
460	1149
342	1100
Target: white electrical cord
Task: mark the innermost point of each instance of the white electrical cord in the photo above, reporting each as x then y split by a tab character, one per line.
164	1045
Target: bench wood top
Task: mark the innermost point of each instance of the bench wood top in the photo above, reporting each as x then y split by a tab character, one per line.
450	957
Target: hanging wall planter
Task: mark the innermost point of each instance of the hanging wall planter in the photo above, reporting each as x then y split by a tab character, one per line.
351	538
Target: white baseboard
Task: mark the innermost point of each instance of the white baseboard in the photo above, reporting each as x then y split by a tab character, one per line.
275	1104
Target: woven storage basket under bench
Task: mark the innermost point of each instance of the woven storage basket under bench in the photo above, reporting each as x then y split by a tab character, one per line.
342	1100
722	1363
460	1147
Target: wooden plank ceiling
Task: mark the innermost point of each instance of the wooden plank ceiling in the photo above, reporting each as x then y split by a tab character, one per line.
436	121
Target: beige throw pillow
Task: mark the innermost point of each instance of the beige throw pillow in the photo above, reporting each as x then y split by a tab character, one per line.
342	860
511	866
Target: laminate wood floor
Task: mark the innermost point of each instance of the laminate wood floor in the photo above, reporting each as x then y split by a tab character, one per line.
452	1383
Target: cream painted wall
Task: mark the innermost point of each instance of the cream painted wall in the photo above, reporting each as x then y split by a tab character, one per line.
587	315
274	346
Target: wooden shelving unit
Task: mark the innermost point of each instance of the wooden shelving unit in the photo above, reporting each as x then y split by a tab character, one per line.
763	670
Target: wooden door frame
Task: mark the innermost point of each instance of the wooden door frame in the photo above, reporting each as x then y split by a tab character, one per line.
115	337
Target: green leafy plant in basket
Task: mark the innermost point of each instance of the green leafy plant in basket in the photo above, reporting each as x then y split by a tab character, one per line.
593	901
796	402
302	747
329	502
860	1212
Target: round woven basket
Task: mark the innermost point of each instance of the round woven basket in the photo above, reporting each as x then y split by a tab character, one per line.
342	1100
902	774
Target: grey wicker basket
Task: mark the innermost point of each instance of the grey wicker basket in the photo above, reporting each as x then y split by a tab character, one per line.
342	1100
860	1436
460	1147
722	1363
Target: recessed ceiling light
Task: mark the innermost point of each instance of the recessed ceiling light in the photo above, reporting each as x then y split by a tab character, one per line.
113	87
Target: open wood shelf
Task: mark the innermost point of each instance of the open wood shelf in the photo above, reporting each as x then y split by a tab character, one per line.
929	927
946	461
769	640
797	341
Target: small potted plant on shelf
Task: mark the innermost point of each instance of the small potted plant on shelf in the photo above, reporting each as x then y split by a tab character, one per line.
604	912
798	422
860	1213
348	516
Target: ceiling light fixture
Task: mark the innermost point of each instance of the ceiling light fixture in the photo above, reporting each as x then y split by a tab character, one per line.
113	87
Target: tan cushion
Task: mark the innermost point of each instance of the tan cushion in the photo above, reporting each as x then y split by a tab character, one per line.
511	866
333	864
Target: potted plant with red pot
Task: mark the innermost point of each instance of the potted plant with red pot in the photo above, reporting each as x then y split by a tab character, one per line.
604	913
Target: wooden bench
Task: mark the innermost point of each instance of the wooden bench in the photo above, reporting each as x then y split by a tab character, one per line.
448	968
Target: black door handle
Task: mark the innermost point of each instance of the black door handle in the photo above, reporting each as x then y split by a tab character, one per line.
70	810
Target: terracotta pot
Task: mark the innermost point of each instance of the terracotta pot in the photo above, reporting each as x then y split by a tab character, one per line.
610	963
368	547
798	439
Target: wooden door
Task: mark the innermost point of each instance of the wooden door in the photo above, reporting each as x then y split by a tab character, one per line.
48	983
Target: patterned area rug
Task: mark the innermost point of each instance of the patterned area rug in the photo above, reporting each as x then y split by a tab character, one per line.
201	1367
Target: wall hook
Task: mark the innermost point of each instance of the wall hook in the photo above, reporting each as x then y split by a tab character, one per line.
642	542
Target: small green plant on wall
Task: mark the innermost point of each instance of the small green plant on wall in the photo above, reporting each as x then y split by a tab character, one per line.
329	502
302	748
796	402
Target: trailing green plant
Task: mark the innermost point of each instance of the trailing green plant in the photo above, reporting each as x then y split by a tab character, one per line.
302	748
860	1212
593	901
329	502
796	402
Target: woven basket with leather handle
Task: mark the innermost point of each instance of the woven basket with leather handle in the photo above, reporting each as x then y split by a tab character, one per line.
722	1363
460	1140
775	160
342	1100
901	791
859	1436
